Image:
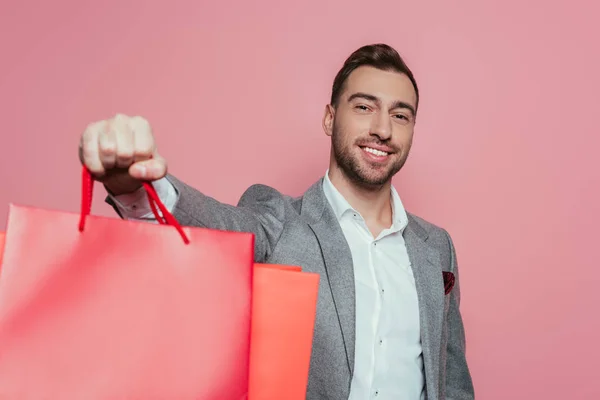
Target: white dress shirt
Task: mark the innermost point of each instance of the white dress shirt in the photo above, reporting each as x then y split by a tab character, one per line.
388	355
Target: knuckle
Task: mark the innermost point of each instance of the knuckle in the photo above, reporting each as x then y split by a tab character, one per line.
139	119
108	148
120	117
124	155
141	123
92	125
90	131
95	169
145	150
161	162
88	152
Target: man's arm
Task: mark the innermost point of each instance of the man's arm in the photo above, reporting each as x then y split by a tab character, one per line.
121	153
459	384
260	211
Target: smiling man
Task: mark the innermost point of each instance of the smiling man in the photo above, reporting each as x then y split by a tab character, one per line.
388	322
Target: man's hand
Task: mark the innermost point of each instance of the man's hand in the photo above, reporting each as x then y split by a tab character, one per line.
121	153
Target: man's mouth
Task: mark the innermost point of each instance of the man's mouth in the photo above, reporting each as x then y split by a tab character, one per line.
376	152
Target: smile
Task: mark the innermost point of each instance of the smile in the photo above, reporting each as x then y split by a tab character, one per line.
375	152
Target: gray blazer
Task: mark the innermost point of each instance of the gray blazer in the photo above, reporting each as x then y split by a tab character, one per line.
305	232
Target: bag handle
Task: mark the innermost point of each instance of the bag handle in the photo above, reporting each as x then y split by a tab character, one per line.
87	191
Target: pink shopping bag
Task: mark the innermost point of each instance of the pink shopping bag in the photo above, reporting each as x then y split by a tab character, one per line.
284	307
121	309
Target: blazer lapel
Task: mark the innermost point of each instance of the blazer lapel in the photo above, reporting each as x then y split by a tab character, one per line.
338	262
430	291
340	277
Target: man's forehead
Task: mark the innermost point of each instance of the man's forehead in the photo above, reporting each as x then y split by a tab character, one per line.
387	85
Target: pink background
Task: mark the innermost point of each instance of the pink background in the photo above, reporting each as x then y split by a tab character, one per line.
505	153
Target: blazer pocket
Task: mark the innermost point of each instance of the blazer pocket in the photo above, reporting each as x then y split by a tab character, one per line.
448	281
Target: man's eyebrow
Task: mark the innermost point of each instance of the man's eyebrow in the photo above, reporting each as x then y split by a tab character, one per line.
375	99
365	96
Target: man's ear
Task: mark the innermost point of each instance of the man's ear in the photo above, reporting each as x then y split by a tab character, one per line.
328	118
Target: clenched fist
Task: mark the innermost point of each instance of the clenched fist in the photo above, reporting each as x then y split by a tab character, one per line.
121	153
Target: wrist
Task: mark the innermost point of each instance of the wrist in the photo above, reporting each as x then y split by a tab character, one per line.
118	189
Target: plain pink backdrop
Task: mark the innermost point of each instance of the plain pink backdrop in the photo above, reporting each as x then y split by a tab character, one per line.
505	153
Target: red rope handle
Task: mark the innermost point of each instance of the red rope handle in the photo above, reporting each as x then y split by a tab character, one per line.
87	191
168	218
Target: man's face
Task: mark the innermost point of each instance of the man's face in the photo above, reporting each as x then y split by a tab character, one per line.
372	125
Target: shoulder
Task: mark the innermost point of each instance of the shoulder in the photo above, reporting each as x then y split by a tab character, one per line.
426	226
266	200
437	236
259	193
264	194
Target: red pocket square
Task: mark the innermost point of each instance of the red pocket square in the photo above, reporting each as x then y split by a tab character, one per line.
448	281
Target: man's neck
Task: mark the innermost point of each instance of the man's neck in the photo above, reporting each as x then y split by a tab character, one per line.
373	203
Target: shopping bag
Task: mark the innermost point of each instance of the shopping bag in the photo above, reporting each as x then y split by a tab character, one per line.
283	317
122	309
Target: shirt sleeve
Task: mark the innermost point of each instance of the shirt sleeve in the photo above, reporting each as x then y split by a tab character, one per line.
135	206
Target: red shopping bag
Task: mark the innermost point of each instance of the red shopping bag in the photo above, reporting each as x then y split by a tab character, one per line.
283	318
122	309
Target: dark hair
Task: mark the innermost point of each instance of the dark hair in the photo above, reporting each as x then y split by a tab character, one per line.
380	56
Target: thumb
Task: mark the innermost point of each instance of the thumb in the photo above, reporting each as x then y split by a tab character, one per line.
149	170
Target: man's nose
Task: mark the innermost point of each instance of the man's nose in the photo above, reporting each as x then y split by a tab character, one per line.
381	126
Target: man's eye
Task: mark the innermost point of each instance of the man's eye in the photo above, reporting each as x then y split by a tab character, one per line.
400	116
362	108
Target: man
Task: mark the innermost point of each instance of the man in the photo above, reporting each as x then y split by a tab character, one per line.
388	324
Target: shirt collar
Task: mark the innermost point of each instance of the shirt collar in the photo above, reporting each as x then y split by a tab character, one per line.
341	206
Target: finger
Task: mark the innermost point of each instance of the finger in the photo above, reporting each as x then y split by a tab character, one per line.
144	145
149	170
124	142
107	145
89	152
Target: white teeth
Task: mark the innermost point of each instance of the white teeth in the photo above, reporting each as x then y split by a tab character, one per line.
376	152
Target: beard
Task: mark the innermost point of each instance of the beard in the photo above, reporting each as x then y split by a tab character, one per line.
358	170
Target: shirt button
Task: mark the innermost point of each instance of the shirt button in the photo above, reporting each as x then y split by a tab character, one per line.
380	342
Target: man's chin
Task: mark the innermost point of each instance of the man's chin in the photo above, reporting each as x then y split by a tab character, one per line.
367	174
373	178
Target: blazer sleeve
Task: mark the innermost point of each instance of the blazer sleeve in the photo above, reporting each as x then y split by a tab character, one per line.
260	211
459	384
